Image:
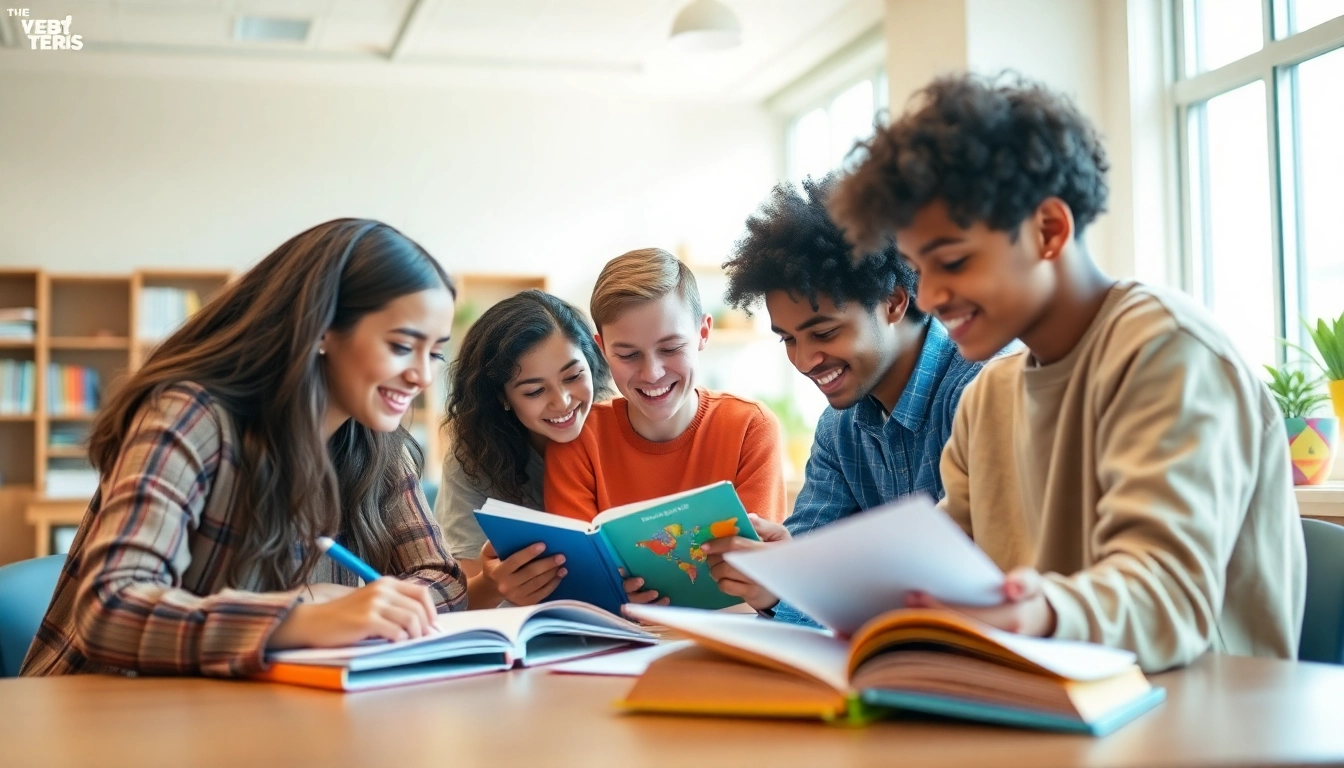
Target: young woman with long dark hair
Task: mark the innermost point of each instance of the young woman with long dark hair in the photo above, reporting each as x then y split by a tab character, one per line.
526	376
272	417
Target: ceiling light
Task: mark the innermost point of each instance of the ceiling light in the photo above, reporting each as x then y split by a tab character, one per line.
706	25
268	29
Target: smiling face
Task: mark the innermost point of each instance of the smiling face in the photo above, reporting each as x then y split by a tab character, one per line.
377	367
846	352
553	390
653	349
987	288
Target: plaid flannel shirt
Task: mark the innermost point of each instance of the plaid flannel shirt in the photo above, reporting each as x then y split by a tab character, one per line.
862	459
144	589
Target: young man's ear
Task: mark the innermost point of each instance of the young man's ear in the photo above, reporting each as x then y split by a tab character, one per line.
1053	227
706	323
597	338
896	305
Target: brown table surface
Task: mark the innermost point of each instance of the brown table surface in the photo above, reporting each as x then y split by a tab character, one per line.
1221	711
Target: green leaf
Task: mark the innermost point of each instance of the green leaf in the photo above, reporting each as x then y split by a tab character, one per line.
1328	338
1296	396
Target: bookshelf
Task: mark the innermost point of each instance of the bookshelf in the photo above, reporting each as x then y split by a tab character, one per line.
476	292
18	431
100	322
86	323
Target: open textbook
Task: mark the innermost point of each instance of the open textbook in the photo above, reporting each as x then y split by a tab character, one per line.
877	657
658	540
466	643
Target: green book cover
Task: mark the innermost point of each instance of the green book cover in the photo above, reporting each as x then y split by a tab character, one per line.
659	540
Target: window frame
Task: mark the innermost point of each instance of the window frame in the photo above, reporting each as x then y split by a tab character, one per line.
876	74
1274	65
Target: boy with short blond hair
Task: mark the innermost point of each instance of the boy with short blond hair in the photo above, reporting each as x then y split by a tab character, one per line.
664	434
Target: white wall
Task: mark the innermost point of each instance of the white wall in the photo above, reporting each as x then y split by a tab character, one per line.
1085	48
109	173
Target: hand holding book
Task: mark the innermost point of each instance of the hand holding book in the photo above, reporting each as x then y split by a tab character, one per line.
859	578
1024	609
524	577
648	552
733	582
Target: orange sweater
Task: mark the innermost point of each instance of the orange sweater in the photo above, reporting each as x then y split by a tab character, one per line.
610	464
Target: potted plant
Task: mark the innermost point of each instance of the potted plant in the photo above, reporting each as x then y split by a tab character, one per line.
1328	339
1311	439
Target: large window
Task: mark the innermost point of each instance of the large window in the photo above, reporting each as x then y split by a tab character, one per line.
1260	102
820	137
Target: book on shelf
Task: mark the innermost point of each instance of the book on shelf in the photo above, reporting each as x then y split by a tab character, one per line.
467	643
18	387
163	309
657	540
18	323
72	390
18	315
70	479
876	658
68	435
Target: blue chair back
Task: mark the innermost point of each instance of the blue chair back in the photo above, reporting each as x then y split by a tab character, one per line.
26	588
1323	623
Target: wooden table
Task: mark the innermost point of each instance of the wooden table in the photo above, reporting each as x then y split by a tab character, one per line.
1222	711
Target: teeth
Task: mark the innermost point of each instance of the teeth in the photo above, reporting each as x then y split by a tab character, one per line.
400	398
828	378
952	323
656	392
563	419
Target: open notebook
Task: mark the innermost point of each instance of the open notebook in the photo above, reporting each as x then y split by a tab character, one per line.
936	662
467	643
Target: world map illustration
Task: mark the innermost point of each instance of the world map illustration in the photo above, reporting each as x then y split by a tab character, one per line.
683	548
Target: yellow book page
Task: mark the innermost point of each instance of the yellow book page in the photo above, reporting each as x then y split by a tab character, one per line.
700	681
1094	698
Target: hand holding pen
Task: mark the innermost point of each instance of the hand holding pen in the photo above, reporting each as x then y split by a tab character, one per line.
384	607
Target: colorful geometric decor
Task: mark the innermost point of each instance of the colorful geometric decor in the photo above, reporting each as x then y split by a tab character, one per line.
1311	443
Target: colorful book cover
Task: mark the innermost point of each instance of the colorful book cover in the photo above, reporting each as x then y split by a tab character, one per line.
658	540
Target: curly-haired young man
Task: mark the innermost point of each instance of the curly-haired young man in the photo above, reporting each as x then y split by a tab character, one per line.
892	377
1138	490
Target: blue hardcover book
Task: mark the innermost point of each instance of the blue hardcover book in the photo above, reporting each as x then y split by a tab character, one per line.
658	540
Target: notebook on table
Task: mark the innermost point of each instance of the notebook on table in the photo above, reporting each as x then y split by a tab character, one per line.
467	643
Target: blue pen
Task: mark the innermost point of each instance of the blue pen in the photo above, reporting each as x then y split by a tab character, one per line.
348	559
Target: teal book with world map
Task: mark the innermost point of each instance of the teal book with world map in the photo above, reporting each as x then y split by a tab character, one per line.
658	540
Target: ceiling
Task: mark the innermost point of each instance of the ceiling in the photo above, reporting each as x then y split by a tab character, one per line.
610	41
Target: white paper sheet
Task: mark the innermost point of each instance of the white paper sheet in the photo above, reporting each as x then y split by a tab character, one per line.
623	663
846	573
